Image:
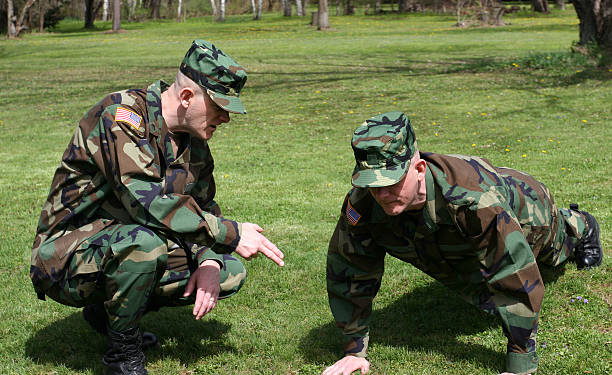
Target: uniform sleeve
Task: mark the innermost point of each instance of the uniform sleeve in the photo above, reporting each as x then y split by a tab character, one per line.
132	164
354	271
512	276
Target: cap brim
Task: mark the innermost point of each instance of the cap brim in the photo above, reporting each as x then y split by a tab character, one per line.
229	103
377	177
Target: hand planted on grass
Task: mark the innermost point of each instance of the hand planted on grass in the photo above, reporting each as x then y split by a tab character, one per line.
206	279
347	365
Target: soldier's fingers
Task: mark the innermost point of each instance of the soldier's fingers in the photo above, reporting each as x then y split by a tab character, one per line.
272	247
272	256
203	307
198	303
190	286
257	228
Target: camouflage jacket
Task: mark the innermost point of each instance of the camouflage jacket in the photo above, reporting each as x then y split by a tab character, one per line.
119	167
475	235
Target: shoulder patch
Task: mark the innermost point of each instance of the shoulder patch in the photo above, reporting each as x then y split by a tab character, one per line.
129	117
351	214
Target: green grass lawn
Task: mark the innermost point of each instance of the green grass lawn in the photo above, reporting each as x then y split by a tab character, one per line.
514	94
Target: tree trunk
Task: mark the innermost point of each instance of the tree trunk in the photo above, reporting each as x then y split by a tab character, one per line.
88	16
377	7
41	16
286	8
16	25
305	6
155	9
337	7
254	8
259	6
560	4
105	10
403	6
595	22
222	11
179	10
323	16
11	29
540	6
349	9
298	8
116	15
213	4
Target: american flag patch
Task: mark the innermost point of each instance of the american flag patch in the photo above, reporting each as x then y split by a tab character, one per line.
128	116
351	215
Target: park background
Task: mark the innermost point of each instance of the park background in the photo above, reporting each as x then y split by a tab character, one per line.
524	95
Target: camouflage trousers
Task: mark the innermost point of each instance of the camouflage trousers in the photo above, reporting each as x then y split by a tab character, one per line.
132	270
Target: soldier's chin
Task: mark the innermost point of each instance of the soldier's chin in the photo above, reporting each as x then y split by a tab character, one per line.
393	209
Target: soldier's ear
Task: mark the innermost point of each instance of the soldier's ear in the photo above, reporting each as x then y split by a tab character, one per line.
186	95
421	167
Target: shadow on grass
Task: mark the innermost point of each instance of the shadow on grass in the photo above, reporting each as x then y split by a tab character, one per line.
430	319
70	342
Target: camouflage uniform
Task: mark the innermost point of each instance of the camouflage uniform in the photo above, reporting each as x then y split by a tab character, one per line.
480	233
121	202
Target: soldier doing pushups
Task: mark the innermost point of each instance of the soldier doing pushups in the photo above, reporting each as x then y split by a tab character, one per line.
478	229
130	224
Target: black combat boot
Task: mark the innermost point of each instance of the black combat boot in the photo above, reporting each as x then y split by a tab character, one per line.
588	252
95	315
124	355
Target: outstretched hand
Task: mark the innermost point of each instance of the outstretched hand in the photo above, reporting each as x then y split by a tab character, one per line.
252	242
347	365
206	278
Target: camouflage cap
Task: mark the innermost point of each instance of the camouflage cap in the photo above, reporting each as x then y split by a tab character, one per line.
217	73
383	147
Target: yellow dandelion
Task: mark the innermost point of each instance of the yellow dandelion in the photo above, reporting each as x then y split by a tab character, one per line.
382	94
518	140
483	114
436	134
562	168
584	121
547	57
433	123
394	102
318	92
226	175
550	140
238	147
329	184
507	150
324	102
524	155
469	113
473	144
351	112
578	71
367	105
515	65
488	96
544	151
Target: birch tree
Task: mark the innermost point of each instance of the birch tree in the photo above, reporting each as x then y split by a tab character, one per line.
259	6
15	25
215	9
105	5
298	8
